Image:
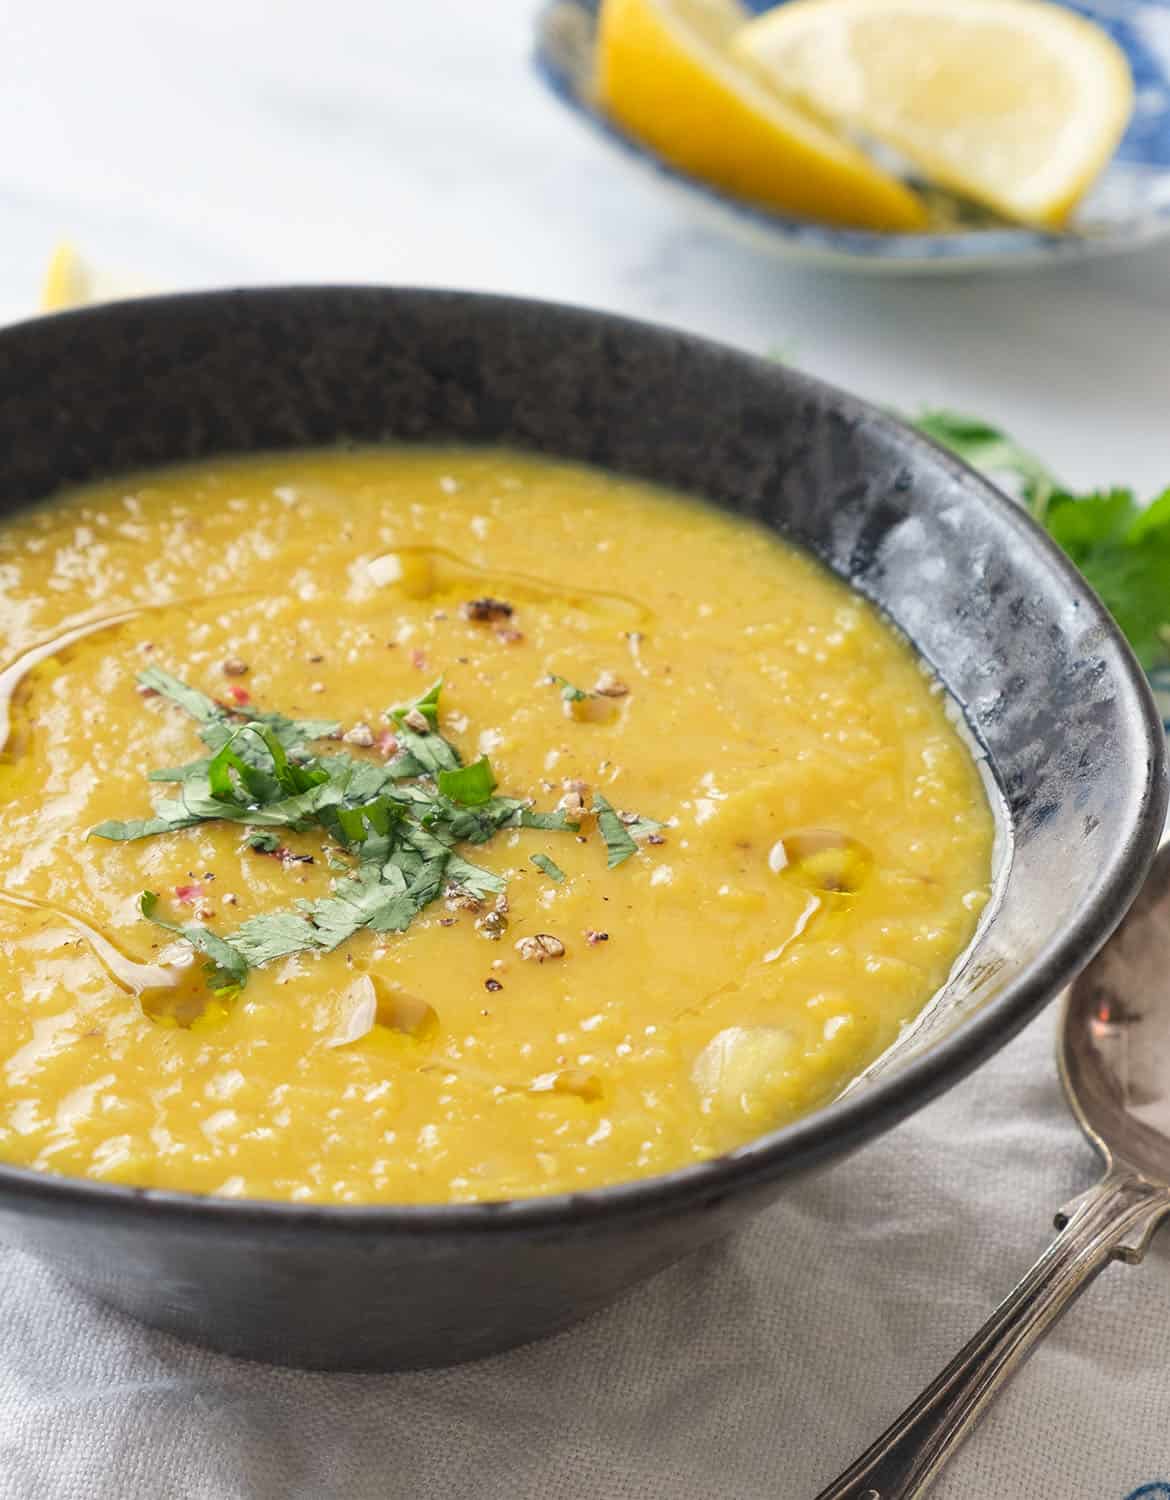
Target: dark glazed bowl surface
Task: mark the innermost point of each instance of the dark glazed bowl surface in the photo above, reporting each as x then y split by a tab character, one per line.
1048	687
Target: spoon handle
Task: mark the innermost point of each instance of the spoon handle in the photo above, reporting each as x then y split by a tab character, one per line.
1114	1219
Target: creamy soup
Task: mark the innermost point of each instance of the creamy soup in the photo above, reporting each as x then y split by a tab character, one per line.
522	829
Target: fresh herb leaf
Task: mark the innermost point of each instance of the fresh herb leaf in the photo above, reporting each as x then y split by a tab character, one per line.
294	735
475	825
219	722
139	828
475	881
1124	552
639	827
273	935
422	752
424	843
263	842
366	900
570	693
557	821
617	838
985	447
226	967
189	699
1121	547
196	804
188	772
373	899
351	825
471	785
427	705
549	866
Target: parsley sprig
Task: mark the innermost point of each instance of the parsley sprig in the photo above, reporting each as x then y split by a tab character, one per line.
1121	546
400	823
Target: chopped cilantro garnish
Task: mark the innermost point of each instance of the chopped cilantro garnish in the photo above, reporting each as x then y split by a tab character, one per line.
472	785
427	705
190	699
549	866
570	693
139	828
371	899
400	823
554	820
226	968
639	827
422	749
219	720
618	841
475	881
1121	546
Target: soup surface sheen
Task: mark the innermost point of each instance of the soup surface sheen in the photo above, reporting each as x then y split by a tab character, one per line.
825	854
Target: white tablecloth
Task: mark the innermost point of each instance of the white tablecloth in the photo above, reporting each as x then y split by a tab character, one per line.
752	1372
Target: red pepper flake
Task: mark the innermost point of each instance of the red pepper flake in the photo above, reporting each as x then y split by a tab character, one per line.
492	984
283	853
387	744
238	694
418	660
189	893
446	921
146	692
507	636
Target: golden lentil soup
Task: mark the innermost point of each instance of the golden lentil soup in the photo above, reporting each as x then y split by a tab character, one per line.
679	843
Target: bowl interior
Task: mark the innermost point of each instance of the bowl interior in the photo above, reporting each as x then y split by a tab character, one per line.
1049	691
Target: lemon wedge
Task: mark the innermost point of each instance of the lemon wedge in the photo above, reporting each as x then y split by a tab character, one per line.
1017	104
71	281
68	282
664	74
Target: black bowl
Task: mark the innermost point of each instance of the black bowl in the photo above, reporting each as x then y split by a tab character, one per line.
1049	689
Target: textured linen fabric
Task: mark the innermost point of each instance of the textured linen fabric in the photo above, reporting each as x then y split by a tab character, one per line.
754	1371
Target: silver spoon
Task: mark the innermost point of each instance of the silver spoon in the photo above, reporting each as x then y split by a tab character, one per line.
1114	1055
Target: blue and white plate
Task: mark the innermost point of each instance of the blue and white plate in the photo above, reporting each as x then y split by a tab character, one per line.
1128	207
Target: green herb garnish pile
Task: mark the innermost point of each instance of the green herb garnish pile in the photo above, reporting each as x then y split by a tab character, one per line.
399	823
1121	546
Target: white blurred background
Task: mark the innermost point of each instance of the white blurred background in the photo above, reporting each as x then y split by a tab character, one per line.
235	141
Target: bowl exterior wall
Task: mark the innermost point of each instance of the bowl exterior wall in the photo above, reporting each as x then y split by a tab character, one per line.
367	1302
1049	689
